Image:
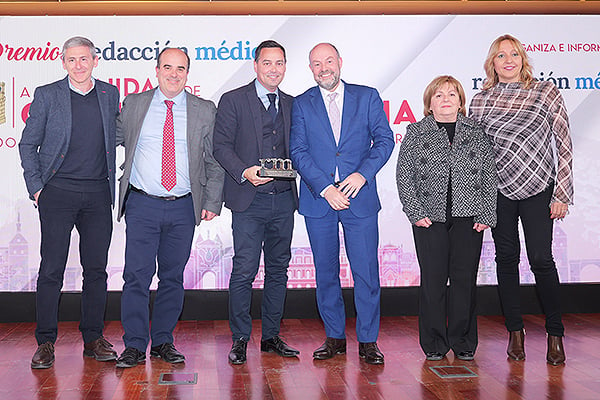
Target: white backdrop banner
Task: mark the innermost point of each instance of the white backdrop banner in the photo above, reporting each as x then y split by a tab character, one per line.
398	55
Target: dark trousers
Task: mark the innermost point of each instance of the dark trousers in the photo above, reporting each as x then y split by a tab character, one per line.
158	231
361	238
448	251
90	213
537	227
266	225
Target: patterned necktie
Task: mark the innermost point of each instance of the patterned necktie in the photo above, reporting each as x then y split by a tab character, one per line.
168	176
334	117
272	109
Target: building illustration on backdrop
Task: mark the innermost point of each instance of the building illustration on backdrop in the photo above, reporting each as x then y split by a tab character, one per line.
15	271
210	264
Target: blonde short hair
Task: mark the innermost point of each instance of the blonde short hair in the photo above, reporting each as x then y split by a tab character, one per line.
492	77
435	85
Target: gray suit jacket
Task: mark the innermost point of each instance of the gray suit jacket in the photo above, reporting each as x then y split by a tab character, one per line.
45	139
206	175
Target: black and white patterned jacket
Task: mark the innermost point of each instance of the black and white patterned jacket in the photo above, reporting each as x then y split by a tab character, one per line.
425	162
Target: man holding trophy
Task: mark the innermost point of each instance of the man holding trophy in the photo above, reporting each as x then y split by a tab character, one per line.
251	141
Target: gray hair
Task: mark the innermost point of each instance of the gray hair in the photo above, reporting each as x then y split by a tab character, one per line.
77	41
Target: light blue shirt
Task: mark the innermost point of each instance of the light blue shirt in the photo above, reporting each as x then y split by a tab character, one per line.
147	161
262	95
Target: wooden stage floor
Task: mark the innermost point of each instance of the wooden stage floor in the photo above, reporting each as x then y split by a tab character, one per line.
405	375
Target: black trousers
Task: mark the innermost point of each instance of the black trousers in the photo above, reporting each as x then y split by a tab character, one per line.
448	255
90	213
534	213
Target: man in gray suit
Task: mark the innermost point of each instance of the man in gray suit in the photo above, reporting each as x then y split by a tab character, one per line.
170	183
68	156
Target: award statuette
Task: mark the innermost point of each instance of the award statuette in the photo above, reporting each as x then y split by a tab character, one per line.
278	168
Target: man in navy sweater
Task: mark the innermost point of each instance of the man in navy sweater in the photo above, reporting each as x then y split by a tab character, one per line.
68	157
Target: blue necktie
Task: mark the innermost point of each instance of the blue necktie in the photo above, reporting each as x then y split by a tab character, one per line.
272	109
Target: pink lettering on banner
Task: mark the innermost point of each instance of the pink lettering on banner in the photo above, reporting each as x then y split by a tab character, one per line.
540	47
147	86
404	114
20	53
9	142
126	84
584	47
195	90
562	47
130	85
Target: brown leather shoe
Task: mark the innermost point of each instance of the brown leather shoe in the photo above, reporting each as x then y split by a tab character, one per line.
330	348
44	356
556	351
100	349
370	352
516	345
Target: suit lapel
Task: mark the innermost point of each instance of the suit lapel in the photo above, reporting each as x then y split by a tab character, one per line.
144	106
350	110
103	104
255	110
64	100
139	114
193	118
286	107
321	113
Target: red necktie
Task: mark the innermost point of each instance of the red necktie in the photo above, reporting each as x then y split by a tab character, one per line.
168	173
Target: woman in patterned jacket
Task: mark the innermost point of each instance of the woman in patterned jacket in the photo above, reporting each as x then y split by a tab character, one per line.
523	117
447	185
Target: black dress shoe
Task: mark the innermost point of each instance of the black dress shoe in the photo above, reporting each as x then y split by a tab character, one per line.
100	349
516	345
44	356
277	345
130	358
168	353
330	348
433	356
370	352
465	355
237	355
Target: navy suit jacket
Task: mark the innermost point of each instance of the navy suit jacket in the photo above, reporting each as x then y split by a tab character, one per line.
238	141
45	139
366	143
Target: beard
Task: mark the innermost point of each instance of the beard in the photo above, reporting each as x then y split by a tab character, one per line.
333	81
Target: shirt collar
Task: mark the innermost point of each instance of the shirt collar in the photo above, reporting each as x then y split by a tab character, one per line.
339	90
178	100
262	92
81	92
